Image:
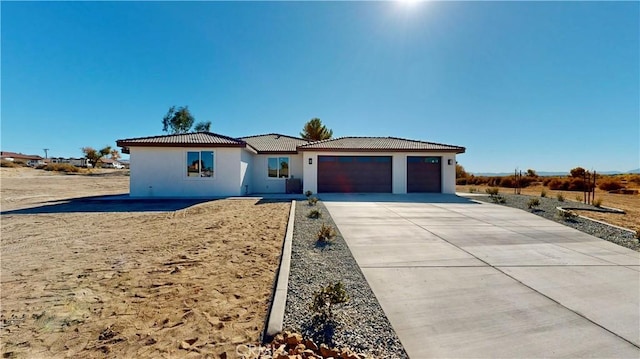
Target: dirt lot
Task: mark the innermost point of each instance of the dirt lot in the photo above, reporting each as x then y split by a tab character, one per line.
122	279
629	203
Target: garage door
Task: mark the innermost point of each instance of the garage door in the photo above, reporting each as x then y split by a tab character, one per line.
424	174
343	174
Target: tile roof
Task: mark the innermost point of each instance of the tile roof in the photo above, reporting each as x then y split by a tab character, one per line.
362	144
274	143
194	139
5	154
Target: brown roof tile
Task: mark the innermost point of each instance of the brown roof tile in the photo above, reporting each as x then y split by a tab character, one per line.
363	144
274	143
195	139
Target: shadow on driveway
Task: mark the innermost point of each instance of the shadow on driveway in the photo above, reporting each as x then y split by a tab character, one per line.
397	198
111	203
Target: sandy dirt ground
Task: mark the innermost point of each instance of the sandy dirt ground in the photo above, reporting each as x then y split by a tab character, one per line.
88	278
629	203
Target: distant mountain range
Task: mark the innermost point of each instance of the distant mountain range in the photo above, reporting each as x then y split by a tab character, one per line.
542	173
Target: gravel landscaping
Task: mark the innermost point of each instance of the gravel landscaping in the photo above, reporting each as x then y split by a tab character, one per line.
363	326
547	209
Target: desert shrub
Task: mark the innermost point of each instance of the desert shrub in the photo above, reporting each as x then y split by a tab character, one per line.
543	193
634	178
312	201
610	184
577	184
560	197
492	191
507	182
461	181
579	198
326	233
533	203
325	301
499	199
314	213
473	190
308	194
61	167
6	163
597	202
567	215
637	234
557	184
546	180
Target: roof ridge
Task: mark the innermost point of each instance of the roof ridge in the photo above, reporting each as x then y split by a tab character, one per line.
275	134
183	134
420	141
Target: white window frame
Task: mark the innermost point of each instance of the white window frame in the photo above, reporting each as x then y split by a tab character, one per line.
199	178
278	173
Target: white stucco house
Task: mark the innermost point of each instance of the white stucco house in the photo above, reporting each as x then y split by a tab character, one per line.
205	164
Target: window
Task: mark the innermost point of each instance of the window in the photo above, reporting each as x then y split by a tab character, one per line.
200	164
278	167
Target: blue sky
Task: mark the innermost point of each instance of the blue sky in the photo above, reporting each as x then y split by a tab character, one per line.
543	85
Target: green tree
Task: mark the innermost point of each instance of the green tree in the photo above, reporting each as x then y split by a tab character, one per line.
577	172
531	173
314	130
95	157
202	126
177	120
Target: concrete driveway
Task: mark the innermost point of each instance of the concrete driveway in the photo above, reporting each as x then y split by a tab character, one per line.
463	279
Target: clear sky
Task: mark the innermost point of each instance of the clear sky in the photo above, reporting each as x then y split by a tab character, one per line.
543	85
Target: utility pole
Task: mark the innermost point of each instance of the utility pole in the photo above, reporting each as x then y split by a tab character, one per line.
46	153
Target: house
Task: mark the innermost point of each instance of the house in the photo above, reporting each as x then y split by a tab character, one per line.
205	164
111	163
30	160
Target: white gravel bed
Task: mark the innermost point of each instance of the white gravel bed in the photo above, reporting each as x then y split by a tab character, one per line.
363	325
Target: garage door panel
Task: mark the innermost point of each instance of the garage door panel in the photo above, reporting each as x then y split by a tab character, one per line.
354	174
424	174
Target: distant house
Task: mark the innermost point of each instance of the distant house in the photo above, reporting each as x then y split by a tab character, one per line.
110	163
30	160
205	164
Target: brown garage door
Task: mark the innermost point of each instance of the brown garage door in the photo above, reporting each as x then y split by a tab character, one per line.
424	174
343	174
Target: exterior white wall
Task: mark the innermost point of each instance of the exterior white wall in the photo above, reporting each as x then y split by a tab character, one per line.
399	168
262	183
449	173
162	172
246	165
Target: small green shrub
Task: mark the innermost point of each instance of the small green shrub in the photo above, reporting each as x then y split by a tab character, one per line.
533	203
498	199
314	213
492	191
638	234
597	202
579	198
326	233
543	193
308	194
326	299
473	190
61	167
312	201
567	215
560	197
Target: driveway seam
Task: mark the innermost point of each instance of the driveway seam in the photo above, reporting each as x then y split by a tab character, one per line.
520	282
